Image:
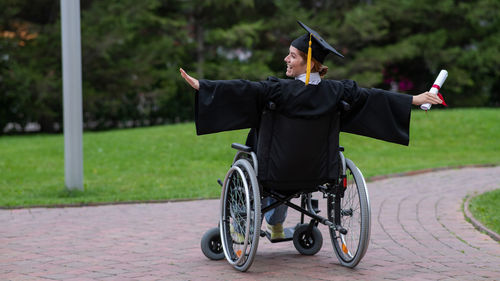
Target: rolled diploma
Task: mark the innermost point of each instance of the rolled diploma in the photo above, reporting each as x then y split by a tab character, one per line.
435	87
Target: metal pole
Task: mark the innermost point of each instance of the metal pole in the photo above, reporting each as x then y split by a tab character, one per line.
72	93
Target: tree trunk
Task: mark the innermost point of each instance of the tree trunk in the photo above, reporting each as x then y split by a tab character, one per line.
200	48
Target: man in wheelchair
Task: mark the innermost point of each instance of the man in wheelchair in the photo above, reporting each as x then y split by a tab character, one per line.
293	149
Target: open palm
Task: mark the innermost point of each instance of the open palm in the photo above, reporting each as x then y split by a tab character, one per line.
190	80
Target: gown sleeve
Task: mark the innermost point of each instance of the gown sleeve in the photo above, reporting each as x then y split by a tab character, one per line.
225	105
376	113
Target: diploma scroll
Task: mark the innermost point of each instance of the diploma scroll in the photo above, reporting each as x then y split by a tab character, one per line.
435	87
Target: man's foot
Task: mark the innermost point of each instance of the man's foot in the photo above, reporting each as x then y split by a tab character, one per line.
238	238
277	231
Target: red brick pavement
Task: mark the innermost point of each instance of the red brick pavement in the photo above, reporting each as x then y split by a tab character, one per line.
418	233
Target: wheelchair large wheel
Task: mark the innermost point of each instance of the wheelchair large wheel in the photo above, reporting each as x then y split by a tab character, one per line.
354	215
240	215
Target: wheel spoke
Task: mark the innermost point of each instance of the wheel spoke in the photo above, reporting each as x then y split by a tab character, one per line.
241	207
354	217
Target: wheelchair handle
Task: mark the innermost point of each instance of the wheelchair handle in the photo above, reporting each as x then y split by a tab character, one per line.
239	146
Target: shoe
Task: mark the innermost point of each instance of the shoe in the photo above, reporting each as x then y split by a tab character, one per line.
238	238
277	231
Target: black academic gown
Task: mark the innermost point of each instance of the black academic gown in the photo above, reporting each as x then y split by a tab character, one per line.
305	122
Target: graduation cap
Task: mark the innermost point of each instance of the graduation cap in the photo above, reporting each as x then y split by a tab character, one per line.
314	46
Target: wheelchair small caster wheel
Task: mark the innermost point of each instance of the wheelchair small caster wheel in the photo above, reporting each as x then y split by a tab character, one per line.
211	244
307	243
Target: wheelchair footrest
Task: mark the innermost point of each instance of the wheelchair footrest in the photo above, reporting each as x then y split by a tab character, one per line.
288	235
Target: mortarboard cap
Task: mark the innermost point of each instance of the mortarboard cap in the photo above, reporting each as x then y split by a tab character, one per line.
320	48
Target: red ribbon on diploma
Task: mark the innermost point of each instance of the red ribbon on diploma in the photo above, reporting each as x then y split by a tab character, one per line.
439	94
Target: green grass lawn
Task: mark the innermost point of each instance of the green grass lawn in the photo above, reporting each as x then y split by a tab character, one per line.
171	162
486	208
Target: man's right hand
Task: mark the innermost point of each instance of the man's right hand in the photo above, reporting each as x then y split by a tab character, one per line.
426	97
190	80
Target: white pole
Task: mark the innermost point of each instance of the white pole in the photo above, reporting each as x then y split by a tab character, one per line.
72	93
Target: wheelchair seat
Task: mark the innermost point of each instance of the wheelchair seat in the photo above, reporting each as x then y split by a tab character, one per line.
296	153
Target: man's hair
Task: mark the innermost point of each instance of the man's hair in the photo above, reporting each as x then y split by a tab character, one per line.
318	67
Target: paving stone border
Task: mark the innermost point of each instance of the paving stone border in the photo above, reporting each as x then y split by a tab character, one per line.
477	224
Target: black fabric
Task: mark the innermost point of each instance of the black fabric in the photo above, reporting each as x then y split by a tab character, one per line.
381	115
317	51
229	105
319	47
297	142
295	153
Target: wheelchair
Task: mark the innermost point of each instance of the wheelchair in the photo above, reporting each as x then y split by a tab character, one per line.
237	236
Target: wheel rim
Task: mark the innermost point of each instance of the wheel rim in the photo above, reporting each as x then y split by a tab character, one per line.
350	218
347	246
216	245
235	221
306	241
240	213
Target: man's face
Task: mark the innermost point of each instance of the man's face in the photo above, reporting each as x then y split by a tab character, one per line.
295	64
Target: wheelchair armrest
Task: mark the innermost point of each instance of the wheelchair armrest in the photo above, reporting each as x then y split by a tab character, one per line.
241	147
345	106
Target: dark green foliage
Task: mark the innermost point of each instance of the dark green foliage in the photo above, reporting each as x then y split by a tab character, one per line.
132	50
30	68
415	39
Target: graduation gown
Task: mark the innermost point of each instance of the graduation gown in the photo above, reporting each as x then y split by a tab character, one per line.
297	143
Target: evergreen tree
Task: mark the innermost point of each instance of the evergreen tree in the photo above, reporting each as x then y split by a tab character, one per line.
131	52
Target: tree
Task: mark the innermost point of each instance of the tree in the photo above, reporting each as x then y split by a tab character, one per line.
132	51
29	64
413	40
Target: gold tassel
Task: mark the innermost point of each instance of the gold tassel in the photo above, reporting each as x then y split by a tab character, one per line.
309	56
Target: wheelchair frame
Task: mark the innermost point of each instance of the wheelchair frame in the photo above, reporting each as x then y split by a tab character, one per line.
239	229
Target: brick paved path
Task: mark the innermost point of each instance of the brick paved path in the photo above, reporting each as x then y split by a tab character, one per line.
418	233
